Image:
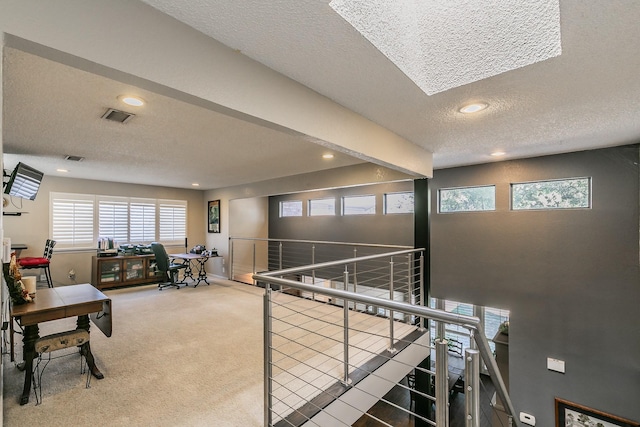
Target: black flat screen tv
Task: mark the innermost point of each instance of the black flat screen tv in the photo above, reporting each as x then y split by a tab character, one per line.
24	182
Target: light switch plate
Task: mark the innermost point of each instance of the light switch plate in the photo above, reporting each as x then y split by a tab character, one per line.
555	365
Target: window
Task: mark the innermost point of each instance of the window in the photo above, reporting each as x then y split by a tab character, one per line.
142	220
113	218
397	203
467	199
290	208
359	205
319	207
173	220
78	220
493	318
72	223
571	193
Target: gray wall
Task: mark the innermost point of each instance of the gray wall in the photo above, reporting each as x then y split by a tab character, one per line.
570	278
394	229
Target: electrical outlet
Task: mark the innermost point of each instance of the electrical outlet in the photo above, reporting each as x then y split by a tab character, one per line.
72	274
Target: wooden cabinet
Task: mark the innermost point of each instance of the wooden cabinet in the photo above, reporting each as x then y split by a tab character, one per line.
112	272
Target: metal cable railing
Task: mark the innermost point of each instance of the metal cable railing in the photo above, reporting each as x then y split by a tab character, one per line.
337	343
248	256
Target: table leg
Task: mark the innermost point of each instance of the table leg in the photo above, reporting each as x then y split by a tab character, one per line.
85	349
188	272
29	352
202	273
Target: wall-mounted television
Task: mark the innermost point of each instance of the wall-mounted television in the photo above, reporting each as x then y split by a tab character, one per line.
24	182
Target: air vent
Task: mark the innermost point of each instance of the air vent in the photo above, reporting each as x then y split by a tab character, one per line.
117	115
74	158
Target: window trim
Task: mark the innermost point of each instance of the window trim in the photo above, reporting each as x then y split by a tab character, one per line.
310	210
359	196
281	210
439	199
385	204
95	201
590	196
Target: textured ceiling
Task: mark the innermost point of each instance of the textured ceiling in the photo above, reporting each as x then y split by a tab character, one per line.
442	45
584	96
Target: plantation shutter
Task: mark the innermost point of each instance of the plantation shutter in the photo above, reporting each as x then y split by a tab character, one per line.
113	218
173	220
72	220
142	220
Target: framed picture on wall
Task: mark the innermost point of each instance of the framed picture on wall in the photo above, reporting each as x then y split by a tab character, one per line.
569	414
213	216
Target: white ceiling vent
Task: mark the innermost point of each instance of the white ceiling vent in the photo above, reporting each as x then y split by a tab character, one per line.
117	115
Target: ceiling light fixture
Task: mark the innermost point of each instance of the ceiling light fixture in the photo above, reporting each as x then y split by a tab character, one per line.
62	170
473	108
195	184
327	156
498	153
132	100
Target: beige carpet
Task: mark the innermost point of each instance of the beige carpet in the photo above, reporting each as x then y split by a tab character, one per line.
187	357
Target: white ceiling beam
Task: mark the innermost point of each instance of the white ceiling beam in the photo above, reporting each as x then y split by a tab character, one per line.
124	36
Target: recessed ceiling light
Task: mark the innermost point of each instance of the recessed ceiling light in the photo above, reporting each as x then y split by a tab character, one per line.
473	108
498	153
132	100
62	170
195	184
327	156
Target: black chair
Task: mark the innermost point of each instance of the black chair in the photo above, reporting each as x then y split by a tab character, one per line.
169	269
40	262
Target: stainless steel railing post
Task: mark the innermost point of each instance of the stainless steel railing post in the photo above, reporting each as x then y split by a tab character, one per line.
440	326
472	388
392	340
421	288
313	272
355	273
442	383
268	374
280	256
230	258
345	307
254	262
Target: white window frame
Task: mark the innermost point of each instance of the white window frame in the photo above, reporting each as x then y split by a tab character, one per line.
346	210
83	231
322	213
284	212
386	203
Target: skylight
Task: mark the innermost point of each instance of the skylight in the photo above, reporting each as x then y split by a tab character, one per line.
443	44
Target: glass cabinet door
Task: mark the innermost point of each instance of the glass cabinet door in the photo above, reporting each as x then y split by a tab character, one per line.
134	269
152	270
110	271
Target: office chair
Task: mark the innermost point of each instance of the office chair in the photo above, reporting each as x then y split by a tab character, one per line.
40	262
169	269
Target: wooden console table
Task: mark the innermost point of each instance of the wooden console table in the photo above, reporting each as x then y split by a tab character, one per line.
58	303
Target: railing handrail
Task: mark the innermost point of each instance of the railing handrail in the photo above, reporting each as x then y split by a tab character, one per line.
469	322
323	242
338	262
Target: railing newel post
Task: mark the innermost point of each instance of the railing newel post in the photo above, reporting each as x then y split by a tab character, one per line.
472	388
345	308
442	383
268	372
392	340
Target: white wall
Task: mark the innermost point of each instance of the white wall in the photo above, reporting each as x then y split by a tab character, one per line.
32	228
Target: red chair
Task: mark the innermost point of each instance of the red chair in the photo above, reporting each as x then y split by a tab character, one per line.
43	262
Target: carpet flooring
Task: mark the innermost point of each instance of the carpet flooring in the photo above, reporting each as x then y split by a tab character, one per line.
187	357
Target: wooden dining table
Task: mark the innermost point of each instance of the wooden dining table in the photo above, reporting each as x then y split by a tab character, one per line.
83	301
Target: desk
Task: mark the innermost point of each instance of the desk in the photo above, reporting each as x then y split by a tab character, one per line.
58	303
198	261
